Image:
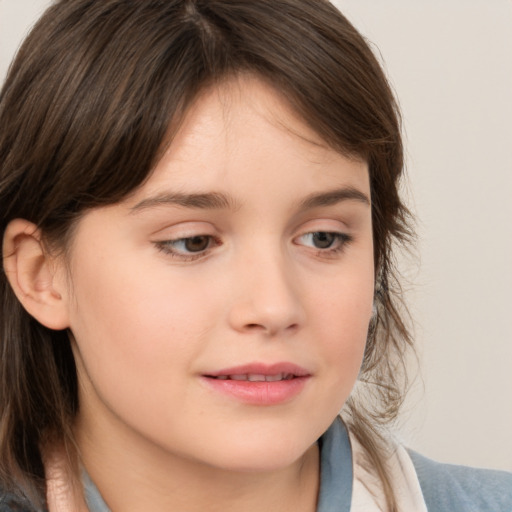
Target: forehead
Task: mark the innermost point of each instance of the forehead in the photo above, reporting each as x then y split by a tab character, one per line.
242	133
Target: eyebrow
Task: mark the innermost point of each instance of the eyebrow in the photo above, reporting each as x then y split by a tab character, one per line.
206	201
334	197
220	201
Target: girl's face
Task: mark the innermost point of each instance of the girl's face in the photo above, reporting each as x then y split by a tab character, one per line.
220	313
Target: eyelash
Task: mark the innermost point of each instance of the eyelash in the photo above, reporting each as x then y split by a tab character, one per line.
341	240
340	243
167	247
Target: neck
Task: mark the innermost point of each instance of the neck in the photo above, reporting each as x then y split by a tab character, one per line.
134	476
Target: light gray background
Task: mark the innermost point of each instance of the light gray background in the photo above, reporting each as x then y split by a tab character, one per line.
451	65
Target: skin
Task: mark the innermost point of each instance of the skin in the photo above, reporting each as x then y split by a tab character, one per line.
150	318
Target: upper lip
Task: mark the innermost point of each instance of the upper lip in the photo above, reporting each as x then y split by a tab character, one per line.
262	369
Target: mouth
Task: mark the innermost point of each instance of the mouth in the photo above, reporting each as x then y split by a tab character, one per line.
260	372
259	384
255	377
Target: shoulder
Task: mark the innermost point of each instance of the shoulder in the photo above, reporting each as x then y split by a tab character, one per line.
459	488
10	502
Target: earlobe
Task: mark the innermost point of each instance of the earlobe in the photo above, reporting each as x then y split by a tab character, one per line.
34	275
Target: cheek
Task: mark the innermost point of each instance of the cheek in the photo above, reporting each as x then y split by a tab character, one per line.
342	315
122	301
136	338
133	324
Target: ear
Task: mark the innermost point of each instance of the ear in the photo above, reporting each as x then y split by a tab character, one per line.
37	278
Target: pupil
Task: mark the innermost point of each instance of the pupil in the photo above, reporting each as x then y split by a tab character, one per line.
323	240
197	243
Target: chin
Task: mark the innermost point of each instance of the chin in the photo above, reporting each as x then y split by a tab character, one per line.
258	454
264	461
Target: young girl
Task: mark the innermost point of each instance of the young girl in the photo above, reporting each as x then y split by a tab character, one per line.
198	203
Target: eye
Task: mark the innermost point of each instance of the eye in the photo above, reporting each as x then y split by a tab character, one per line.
322	239
194	243
325	241
189	247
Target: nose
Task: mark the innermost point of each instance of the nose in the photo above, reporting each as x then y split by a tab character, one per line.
267	297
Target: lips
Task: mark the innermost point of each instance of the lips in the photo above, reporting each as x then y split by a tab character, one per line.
282	370
254	377
259	384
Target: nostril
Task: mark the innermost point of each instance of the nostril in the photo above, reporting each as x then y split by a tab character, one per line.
269	329
255	327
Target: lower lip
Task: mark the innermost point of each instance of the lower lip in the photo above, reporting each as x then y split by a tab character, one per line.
259	393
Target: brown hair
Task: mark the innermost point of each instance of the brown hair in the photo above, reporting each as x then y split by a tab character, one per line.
84	111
